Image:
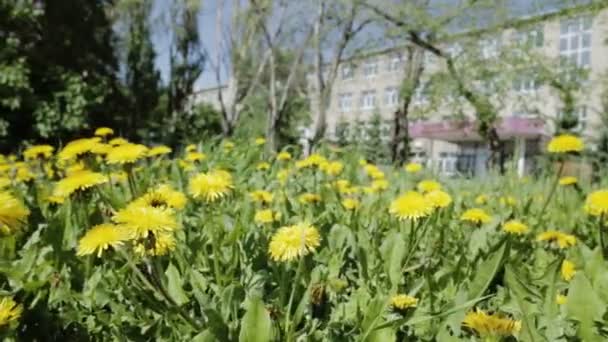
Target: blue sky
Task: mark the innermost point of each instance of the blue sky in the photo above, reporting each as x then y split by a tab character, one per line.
161	38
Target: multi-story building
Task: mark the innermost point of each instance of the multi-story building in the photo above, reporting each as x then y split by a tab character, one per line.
370	85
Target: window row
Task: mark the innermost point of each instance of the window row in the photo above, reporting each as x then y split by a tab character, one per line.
574	47
371	67
368	99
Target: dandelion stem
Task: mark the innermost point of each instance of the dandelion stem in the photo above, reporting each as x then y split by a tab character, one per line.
160	292
602	237
553	187
291	296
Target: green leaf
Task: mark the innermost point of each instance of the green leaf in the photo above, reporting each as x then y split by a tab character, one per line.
256	325
393	251
382	335
585	306
205	336
174	286
522	296
485	273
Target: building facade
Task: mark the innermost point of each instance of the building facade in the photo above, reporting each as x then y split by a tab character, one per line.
370	85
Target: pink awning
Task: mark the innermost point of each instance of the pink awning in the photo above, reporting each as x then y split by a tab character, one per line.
464	130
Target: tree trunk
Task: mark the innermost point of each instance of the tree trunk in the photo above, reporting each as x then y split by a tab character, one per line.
413	72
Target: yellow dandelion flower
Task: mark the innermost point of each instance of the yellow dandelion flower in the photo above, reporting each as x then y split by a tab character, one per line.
563	240
38	152
403	301
481	199
104	131
413	167
515	227
100	238
284	156
309	198
350	203
311	161
262	166
159	151
260	141
228	145
377	185
560	299
140	220
5	182
373	171
568	180
596	203
126	153
491	325
568	270
191	148
428	185
438	198
118	141
13	213
77	148
79	180
10	311
265	216
73	168
163	196
283	175
476	215
332	168
508	200
161	244
291	242
195	156
211	186
342	185
565	143
411	206
261	196
24	174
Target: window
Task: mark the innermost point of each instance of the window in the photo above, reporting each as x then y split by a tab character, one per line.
581	114
368	99
420	95
347	72
396	62
370	68
489	47
575	41
446	163
525	83
391	96
345	102
532	37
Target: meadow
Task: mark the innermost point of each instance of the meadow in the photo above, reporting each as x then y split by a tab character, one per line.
104	239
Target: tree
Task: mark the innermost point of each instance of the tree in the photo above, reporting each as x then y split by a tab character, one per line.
186	60
142	78
283	69
59	70
341	19
414	67
237	55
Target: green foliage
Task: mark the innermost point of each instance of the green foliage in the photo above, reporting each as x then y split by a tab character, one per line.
57	72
